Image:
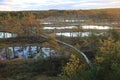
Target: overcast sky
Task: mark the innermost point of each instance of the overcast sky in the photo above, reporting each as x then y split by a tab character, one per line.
17	5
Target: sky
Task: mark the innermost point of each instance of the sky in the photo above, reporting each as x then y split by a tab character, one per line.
20	5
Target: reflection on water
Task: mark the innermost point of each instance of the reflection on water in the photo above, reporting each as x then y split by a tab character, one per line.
77	34
74	34
74	20
95	27
66	27
7	35
46	23
25	52
83	27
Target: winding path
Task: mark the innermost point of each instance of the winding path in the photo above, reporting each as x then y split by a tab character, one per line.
80	52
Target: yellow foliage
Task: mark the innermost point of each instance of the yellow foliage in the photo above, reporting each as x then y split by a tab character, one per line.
110	49
73	65
52	43
99	59
77	46
107	46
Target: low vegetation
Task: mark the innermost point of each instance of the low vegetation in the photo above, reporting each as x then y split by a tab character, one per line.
103	50
22	69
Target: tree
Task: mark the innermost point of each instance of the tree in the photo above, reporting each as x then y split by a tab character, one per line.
75	69
52	43
108	59
27	25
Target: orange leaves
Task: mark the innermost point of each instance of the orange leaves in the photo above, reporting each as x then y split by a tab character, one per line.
73	65
110	46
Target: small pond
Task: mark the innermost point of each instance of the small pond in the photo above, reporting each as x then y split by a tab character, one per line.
76	34
83	27
7	35
26	52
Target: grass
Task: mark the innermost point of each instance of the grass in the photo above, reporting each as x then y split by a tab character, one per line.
22	69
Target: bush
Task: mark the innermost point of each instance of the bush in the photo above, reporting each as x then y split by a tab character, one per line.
76	70
22	69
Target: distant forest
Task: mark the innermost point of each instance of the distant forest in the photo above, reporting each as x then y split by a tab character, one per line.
112	14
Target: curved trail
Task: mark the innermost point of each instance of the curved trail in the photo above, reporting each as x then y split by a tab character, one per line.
80	52
85	57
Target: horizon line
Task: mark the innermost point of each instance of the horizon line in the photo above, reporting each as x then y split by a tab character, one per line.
55	9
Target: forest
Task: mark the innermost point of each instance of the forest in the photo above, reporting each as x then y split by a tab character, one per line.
60	45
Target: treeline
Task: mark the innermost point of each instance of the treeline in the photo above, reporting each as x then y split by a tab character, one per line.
93	14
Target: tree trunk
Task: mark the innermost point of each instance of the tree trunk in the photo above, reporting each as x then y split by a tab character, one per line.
14	51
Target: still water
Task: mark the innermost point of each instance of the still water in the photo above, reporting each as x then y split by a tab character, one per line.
7	35
83	27
36	51
25	52
78	34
